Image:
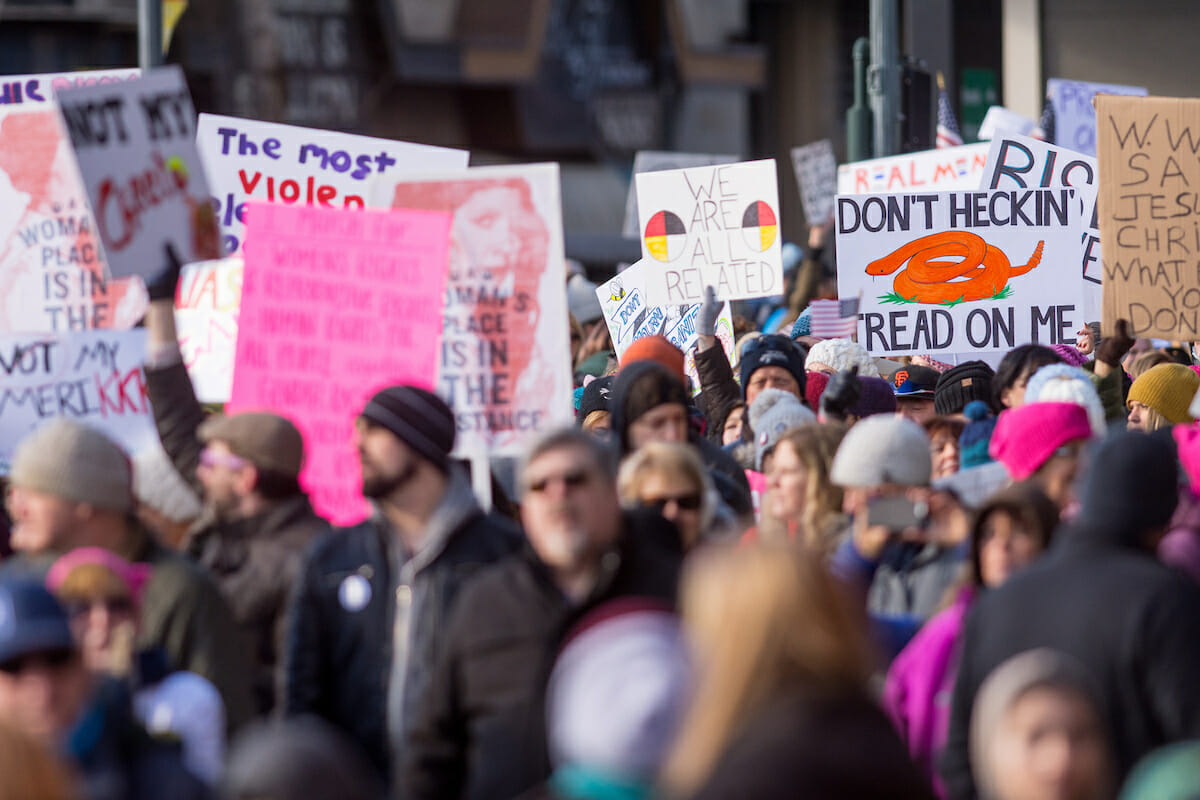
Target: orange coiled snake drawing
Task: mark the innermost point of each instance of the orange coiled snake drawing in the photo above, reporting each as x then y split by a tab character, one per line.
984	270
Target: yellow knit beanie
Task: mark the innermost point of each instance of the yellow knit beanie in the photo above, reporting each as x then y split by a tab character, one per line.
1168	389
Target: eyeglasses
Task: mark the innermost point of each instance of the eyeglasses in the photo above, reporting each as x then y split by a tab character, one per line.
571	480
113	605
55	659
211	458
684	502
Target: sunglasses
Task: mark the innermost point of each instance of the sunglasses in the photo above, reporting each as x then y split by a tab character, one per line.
211	459
113	605
55	659
571	480
685	502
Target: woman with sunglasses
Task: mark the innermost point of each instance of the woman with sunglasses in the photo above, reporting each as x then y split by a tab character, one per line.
670	479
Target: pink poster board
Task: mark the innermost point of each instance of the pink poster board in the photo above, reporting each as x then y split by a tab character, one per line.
335	306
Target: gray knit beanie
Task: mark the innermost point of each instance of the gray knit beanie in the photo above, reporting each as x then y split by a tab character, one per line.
882	449
76	462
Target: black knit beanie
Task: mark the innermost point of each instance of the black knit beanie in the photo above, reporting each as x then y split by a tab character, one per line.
417	417
773	350
1131	488
639	388
960	385
596	397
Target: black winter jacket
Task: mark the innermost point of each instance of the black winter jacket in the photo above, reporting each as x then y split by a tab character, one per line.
480	729
343	618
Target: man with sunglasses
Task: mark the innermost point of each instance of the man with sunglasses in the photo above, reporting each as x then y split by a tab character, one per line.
480	728
256	522
367	616
46	690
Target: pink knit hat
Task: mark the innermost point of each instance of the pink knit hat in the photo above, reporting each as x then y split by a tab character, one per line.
1187	442
133	575
1027	436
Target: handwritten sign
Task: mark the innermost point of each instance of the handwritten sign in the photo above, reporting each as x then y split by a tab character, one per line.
247	160
1149	214
94	377
52	271
961	272
134	142
335	306
1074	116
1018	162
505	367
629	318
816	172
711	226
947	169
659	161
206	322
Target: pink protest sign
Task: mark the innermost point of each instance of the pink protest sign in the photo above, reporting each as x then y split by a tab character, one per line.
335	306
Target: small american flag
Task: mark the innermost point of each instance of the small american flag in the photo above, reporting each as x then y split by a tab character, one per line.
1045	126
834	319
947	130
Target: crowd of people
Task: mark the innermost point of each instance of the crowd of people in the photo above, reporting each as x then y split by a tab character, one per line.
813	573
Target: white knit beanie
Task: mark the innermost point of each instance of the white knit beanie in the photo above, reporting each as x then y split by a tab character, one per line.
1062	383
883	449
841	354
773	413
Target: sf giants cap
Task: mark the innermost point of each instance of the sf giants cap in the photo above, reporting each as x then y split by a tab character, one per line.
915	381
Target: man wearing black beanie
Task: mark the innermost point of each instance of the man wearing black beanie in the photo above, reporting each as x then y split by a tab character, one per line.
364	622
1101	596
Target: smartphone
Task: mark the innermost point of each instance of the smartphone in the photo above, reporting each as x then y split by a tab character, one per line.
897	513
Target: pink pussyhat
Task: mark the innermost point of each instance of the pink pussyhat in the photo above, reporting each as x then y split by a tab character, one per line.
1187	443
132	575
1027	436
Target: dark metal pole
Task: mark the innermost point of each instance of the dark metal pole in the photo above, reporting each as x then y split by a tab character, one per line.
149	33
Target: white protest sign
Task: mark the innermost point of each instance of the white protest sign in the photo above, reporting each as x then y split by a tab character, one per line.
206	323
1018	162
660	161
960	272
629	318
247	160
94	377
947	169
999	121
1074	116
711	226
135	145
52	271
816	172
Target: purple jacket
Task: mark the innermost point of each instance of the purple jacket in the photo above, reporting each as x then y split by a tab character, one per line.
920	683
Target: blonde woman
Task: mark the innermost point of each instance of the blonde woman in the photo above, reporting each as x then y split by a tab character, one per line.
801	504
671	479
781	708
1161	396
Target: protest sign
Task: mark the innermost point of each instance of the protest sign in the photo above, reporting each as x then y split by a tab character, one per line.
1074	116
506	360
947	169
135	146
1149	214
629	318
816	172
999	121
206	324
658	161
336	305
94	377
711	226
52	271
247	160
961	272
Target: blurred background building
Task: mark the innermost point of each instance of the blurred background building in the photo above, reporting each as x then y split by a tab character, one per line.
590	82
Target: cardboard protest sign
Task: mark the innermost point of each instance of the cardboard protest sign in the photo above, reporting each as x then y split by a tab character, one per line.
1000	121
629	318
1150	215
960	272
206	323
94	377
506	356
711	226
1018	162
947	169
1074	116
247	160
336	306
659	161
816	172
52	271
136	150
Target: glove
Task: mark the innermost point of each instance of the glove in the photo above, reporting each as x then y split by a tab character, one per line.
1113	349
162	286
710	309
841	394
